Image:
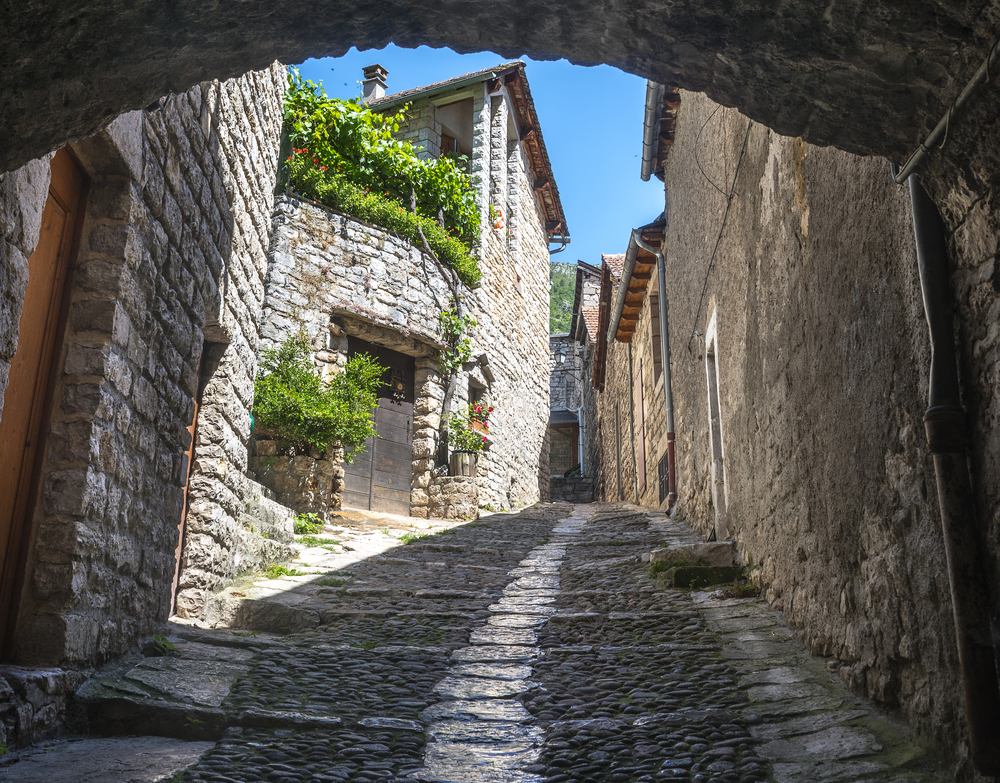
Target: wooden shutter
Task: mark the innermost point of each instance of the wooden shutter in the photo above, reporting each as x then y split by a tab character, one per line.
654	321
640	433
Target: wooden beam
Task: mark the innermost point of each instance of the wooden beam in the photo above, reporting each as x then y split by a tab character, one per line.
527	133
542	183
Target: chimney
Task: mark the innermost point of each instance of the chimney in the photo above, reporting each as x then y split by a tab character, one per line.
374	83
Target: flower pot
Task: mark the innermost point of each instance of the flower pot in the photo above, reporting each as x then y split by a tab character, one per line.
478	426
463	463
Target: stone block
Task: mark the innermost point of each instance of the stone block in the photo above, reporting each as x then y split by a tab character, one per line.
712	554
698	576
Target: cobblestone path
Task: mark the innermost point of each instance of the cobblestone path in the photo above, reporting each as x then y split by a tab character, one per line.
534	648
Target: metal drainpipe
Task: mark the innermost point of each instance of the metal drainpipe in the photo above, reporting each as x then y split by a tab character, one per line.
668	392
631	428
947	442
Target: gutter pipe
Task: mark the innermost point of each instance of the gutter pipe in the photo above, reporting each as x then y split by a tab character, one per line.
940	132
629	267
668	393
947	442
650	127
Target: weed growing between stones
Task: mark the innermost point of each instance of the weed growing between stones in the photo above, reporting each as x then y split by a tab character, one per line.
305	524
278	571
663	566
332	581
326	543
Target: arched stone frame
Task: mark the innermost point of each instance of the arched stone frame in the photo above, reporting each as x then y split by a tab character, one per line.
716	437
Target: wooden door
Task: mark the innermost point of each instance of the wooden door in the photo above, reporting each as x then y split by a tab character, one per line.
379	478
25	400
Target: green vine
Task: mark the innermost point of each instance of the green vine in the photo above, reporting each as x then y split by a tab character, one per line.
344	156
459	345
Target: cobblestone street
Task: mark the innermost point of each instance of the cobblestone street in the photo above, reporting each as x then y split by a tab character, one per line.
530	647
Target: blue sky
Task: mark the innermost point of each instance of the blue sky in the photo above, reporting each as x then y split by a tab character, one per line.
591	120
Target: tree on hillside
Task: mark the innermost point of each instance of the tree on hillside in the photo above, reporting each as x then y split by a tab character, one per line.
561	293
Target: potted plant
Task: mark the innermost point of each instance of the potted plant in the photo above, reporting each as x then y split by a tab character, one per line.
468	434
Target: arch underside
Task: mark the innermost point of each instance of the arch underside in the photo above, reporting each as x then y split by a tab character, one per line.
869	78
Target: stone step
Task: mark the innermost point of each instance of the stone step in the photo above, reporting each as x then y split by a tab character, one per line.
698	576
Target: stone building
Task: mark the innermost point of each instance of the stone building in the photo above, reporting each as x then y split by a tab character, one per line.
139	254
354	287
799	378
570	457
141	257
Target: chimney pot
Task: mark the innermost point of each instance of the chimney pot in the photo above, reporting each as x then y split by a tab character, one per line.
374	84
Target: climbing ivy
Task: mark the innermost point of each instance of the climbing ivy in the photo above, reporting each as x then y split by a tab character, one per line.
456	338
344	155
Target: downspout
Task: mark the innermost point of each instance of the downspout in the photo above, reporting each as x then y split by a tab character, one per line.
579	418
668	393
631	426
650	127
947	442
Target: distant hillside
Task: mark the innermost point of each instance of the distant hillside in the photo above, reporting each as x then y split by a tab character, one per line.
563	277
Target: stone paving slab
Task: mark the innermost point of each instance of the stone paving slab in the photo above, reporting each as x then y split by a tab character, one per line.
118	760
539	652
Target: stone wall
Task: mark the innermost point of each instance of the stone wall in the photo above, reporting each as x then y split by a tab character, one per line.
162	297
248	160
22	199
565	374
822	365
336	277
572	490
453	497
306	483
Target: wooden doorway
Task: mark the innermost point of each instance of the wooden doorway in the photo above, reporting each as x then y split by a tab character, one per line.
379	478
26	399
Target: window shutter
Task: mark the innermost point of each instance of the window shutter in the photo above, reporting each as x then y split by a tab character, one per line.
654	321
640	433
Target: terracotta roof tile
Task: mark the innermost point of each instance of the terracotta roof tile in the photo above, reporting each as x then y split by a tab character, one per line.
617	263
406	94
591	319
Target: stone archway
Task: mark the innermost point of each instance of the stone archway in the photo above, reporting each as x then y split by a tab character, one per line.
868	78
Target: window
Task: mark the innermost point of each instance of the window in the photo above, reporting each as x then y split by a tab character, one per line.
654	324
640	431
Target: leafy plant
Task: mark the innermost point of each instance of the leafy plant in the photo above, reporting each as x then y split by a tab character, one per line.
296	407
344	155
409	538
470	431
163	647
456	330
307	523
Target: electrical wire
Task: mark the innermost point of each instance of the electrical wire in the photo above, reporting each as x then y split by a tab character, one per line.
722	228
696	160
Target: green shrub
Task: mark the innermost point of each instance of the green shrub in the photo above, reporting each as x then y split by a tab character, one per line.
297	408
344	155
306	524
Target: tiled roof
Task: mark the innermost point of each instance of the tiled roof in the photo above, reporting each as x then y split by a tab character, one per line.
591	319
617	263
407	94
540	175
